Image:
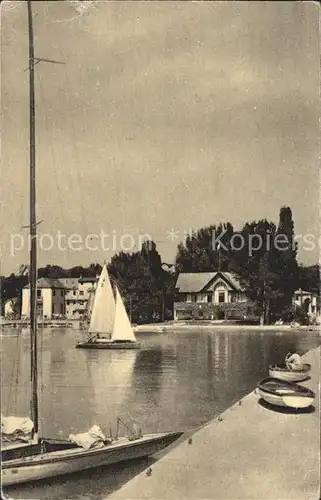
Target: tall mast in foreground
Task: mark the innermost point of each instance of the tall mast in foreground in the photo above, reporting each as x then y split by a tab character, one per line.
33	230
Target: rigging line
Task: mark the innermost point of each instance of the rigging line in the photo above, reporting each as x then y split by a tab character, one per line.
41	382
67	88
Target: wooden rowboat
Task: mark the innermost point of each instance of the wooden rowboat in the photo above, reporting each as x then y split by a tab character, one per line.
285	394
283	373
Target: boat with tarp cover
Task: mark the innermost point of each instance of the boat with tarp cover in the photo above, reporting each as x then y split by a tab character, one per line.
25	455
293	370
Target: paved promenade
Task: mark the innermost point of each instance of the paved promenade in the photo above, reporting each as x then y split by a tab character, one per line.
253	453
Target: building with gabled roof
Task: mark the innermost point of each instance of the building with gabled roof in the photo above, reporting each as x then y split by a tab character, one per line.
210	295
78	298
50	299
308	300
59	297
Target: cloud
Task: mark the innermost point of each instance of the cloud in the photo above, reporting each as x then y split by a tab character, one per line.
164	112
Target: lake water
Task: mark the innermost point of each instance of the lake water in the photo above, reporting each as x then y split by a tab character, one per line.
177	381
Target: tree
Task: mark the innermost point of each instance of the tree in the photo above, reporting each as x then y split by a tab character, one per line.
309	278
285	263
145	286
252	262
206	250
54	272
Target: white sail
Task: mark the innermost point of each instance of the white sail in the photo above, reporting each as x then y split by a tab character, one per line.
103	313
122	327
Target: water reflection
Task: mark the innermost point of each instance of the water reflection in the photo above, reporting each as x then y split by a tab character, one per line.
178	380
111	374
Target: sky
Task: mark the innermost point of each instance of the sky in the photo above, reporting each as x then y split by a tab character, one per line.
165	117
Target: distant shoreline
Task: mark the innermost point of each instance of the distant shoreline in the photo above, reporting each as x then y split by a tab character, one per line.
161	327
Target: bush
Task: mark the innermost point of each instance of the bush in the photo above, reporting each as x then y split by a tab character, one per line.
295	313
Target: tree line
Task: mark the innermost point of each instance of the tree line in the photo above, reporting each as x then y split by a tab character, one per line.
262	255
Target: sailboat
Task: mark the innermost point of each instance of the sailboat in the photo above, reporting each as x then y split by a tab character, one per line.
25	456
110	326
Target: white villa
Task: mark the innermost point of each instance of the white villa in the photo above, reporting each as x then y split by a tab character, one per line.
302	297
60	298
78	297
209	295
50	299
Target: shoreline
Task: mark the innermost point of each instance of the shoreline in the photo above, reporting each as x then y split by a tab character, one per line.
223	463
163	327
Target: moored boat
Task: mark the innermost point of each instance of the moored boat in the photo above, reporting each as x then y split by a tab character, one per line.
25	454
288	375
50	458
285	394
293	370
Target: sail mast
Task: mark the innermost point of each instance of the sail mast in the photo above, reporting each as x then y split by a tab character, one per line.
33	229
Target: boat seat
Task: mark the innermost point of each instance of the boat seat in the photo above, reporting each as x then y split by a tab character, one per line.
20	452
53	445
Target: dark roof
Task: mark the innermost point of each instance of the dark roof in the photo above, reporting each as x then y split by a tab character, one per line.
87	280
49	283
69	283
196	282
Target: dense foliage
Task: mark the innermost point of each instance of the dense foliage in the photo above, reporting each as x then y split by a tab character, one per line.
262	255
146	288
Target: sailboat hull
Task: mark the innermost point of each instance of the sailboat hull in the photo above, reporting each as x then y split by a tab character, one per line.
108	345
76	459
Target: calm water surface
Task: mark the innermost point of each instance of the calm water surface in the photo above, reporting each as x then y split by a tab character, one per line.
177	381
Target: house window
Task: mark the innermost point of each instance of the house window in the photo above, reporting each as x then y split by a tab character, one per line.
221	297
233	297
38	293
62	293
61	308
54	292
194	297
81	292
74	292
210	297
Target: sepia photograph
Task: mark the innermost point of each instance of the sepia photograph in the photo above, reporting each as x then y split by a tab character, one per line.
160	206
